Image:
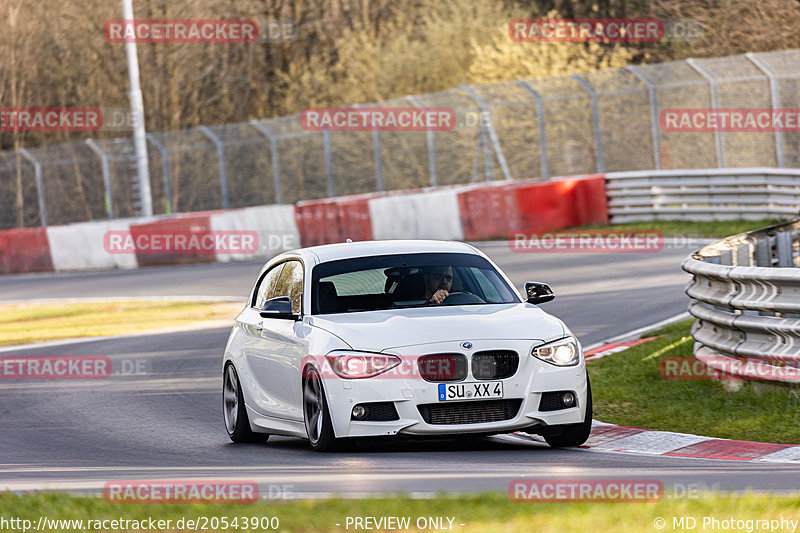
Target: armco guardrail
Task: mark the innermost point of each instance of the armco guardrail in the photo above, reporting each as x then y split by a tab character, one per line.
746	298
705	194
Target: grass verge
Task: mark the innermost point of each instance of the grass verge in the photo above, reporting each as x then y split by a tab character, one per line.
628	390
25	323
489	512
700	230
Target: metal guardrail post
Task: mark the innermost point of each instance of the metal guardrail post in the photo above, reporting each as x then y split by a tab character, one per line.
654	122
326	138
274	154
775	98
429	138
486	120
223	174
783	245
712	82
540	122
106	175
598	138
37	171
164	153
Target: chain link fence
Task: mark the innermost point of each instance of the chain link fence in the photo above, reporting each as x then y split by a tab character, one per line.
598	122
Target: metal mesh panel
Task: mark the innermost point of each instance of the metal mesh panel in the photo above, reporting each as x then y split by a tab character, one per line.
786	65
194	170
742	84
405	157
73	182
680	86
513	115
625	122
12	163
455	149
568	118
257	155
247	165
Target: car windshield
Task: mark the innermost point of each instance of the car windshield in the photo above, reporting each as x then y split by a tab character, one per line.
406	280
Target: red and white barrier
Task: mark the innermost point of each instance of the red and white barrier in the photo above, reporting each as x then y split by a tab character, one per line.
25	250
432	214
470	212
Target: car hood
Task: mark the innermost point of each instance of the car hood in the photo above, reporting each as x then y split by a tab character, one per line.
377	331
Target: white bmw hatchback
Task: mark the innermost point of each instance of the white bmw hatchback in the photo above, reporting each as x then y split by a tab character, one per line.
400	337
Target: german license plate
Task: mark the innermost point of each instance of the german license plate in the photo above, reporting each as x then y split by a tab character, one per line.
470	391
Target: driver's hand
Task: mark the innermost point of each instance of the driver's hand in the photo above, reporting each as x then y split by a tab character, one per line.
439	296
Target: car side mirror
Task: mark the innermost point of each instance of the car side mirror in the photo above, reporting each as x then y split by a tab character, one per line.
280	307
538	293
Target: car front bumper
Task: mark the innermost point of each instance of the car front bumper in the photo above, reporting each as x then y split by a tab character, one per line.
411	395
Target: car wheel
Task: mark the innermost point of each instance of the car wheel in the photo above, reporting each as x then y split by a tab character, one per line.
573	434
315	413
234	411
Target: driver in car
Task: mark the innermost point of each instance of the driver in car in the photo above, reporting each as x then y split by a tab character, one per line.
438	282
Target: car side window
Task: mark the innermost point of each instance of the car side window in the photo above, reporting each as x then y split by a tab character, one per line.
267	286
291	284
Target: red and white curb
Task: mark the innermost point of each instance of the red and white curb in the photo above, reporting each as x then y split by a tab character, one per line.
626	439
612	347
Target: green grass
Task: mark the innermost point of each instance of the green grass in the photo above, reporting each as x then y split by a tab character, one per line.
25	323
703	230
488	512
628	390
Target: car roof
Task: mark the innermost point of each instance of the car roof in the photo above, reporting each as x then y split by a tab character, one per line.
345	250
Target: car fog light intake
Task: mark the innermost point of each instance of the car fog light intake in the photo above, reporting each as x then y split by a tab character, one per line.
359	412
563	352
568	399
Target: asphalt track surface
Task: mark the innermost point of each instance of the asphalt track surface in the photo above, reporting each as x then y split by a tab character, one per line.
166	421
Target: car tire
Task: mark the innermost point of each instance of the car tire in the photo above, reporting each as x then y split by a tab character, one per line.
234	411
316	416
570	435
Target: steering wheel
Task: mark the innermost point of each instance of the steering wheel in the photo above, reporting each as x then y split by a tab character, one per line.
463	297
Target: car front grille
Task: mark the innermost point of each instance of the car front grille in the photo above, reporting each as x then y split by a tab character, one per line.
495	364
443	367
472	412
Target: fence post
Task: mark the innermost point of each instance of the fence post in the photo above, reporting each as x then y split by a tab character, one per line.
598	140
431	145
106	175
326	138
545	162
223	175
486	121
712	82
276	165
654	122
37	170
775	98
162	150
376	156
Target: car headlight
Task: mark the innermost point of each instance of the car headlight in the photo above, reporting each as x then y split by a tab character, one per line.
563	352
358	365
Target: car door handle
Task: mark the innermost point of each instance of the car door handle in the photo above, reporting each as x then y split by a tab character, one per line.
259	326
